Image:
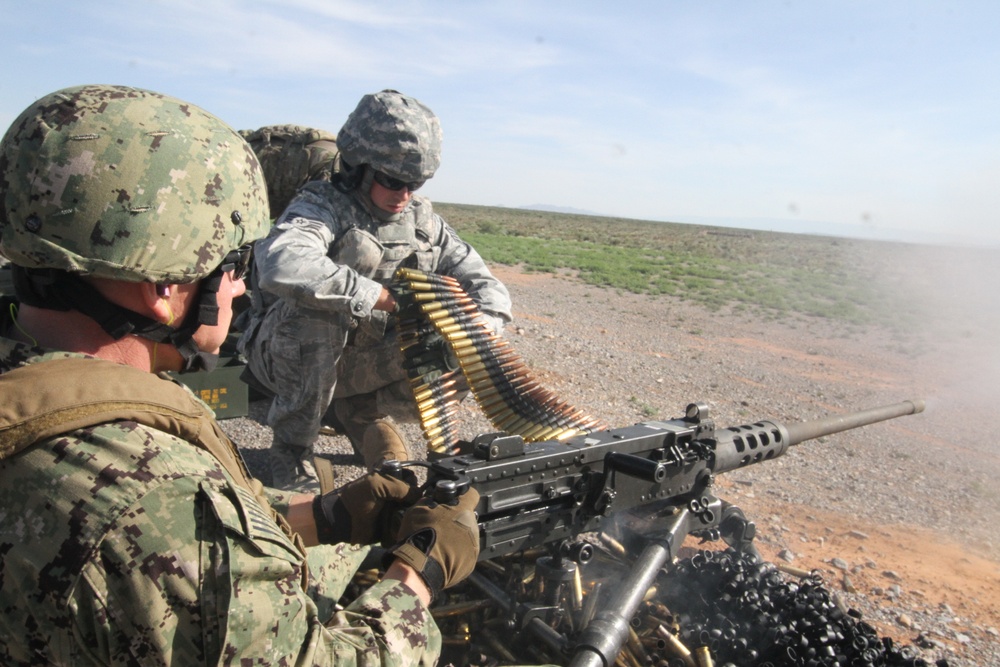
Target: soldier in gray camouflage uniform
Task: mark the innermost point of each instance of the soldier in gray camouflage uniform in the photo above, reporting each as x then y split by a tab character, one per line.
322	336
130	531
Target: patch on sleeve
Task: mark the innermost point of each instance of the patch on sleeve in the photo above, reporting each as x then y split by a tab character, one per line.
238	511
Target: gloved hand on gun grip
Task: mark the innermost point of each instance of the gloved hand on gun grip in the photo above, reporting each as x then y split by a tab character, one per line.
440	540
361	511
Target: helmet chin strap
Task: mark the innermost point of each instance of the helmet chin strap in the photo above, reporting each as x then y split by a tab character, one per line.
54	289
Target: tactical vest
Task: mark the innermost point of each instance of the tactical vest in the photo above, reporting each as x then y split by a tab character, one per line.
375	251
371	249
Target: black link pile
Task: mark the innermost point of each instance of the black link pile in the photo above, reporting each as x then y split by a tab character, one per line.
716	608
749	613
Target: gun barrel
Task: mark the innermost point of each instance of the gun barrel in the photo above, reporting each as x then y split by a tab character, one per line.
836	423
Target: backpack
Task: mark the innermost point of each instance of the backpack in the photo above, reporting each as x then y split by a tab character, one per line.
291	156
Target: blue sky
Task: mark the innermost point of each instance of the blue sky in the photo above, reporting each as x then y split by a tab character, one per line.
884	116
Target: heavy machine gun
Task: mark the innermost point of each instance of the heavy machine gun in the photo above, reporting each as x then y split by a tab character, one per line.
652	483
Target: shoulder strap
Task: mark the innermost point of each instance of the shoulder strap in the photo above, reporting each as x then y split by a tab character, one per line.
62	395
49	398
57	396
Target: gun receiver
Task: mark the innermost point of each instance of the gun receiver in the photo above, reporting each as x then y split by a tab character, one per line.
650	484
537	493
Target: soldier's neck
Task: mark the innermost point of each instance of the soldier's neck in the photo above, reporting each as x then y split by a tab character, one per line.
71	331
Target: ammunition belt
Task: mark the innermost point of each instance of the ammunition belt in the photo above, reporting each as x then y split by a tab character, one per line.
440	324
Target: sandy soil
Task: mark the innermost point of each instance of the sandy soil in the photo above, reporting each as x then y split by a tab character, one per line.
914	571
900	517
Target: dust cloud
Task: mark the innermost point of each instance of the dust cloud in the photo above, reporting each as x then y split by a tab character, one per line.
953	325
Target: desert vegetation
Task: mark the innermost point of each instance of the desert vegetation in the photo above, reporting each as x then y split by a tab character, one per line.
772	274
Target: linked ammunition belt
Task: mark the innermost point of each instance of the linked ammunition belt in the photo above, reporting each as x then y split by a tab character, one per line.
445	338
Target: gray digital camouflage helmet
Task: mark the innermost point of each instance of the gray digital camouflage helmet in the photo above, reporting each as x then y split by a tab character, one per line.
394	134
127	184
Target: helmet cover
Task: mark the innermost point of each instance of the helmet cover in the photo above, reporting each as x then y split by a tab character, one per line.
394	134
127	184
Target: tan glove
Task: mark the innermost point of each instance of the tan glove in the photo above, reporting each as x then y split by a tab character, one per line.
440	541
360	512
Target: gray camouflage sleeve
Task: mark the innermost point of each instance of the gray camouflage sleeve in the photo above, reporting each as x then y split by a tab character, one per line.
292	262
461	261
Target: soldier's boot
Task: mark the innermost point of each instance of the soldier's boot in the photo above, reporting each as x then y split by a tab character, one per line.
382	442
292	468
352	417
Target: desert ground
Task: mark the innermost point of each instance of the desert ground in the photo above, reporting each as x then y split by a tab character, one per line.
899	517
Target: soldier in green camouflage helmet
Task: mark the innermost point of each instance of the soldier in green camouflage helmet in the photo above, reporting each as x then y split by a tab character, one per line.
130	530
321	336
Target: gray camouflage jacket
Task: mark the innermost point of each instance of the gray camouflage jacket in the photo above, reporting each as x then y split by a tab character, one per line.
328	253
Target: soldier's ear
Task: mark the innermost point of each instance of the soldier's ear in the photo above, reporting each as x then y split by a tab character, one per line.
157	299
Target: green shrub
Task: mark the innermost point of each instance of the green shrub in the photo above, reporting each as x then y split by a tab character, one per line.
771	273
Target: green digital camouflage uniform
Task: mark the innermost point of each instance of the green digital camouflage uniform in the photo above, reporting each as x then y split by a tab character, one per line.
130	532
313	335
164	559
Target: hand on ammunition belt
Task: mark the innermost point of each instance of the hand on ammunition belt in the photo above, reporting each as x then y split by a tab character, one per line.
440	540
362	511
435	312
430	359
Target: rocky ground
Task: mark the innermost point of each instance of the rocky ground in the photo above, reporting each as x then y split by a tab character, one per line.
900	517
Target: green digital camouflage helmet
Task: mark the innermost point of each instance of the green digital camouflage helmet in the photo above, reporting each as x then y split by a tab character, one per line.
394	134
127	184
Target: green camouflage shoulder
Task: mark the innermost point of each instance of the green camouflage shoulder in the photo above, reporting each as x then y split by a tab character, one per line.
127	545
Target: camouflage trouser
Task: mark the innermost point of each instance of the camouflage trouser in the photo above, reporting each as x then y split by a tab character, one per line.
308	359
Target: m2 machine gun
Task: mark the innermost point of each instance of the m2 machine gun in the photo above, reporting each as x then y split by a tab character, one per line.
651	484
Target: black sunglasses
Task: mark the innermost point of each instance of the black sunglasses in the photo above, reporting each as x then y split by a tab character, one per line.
237	261
390	183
